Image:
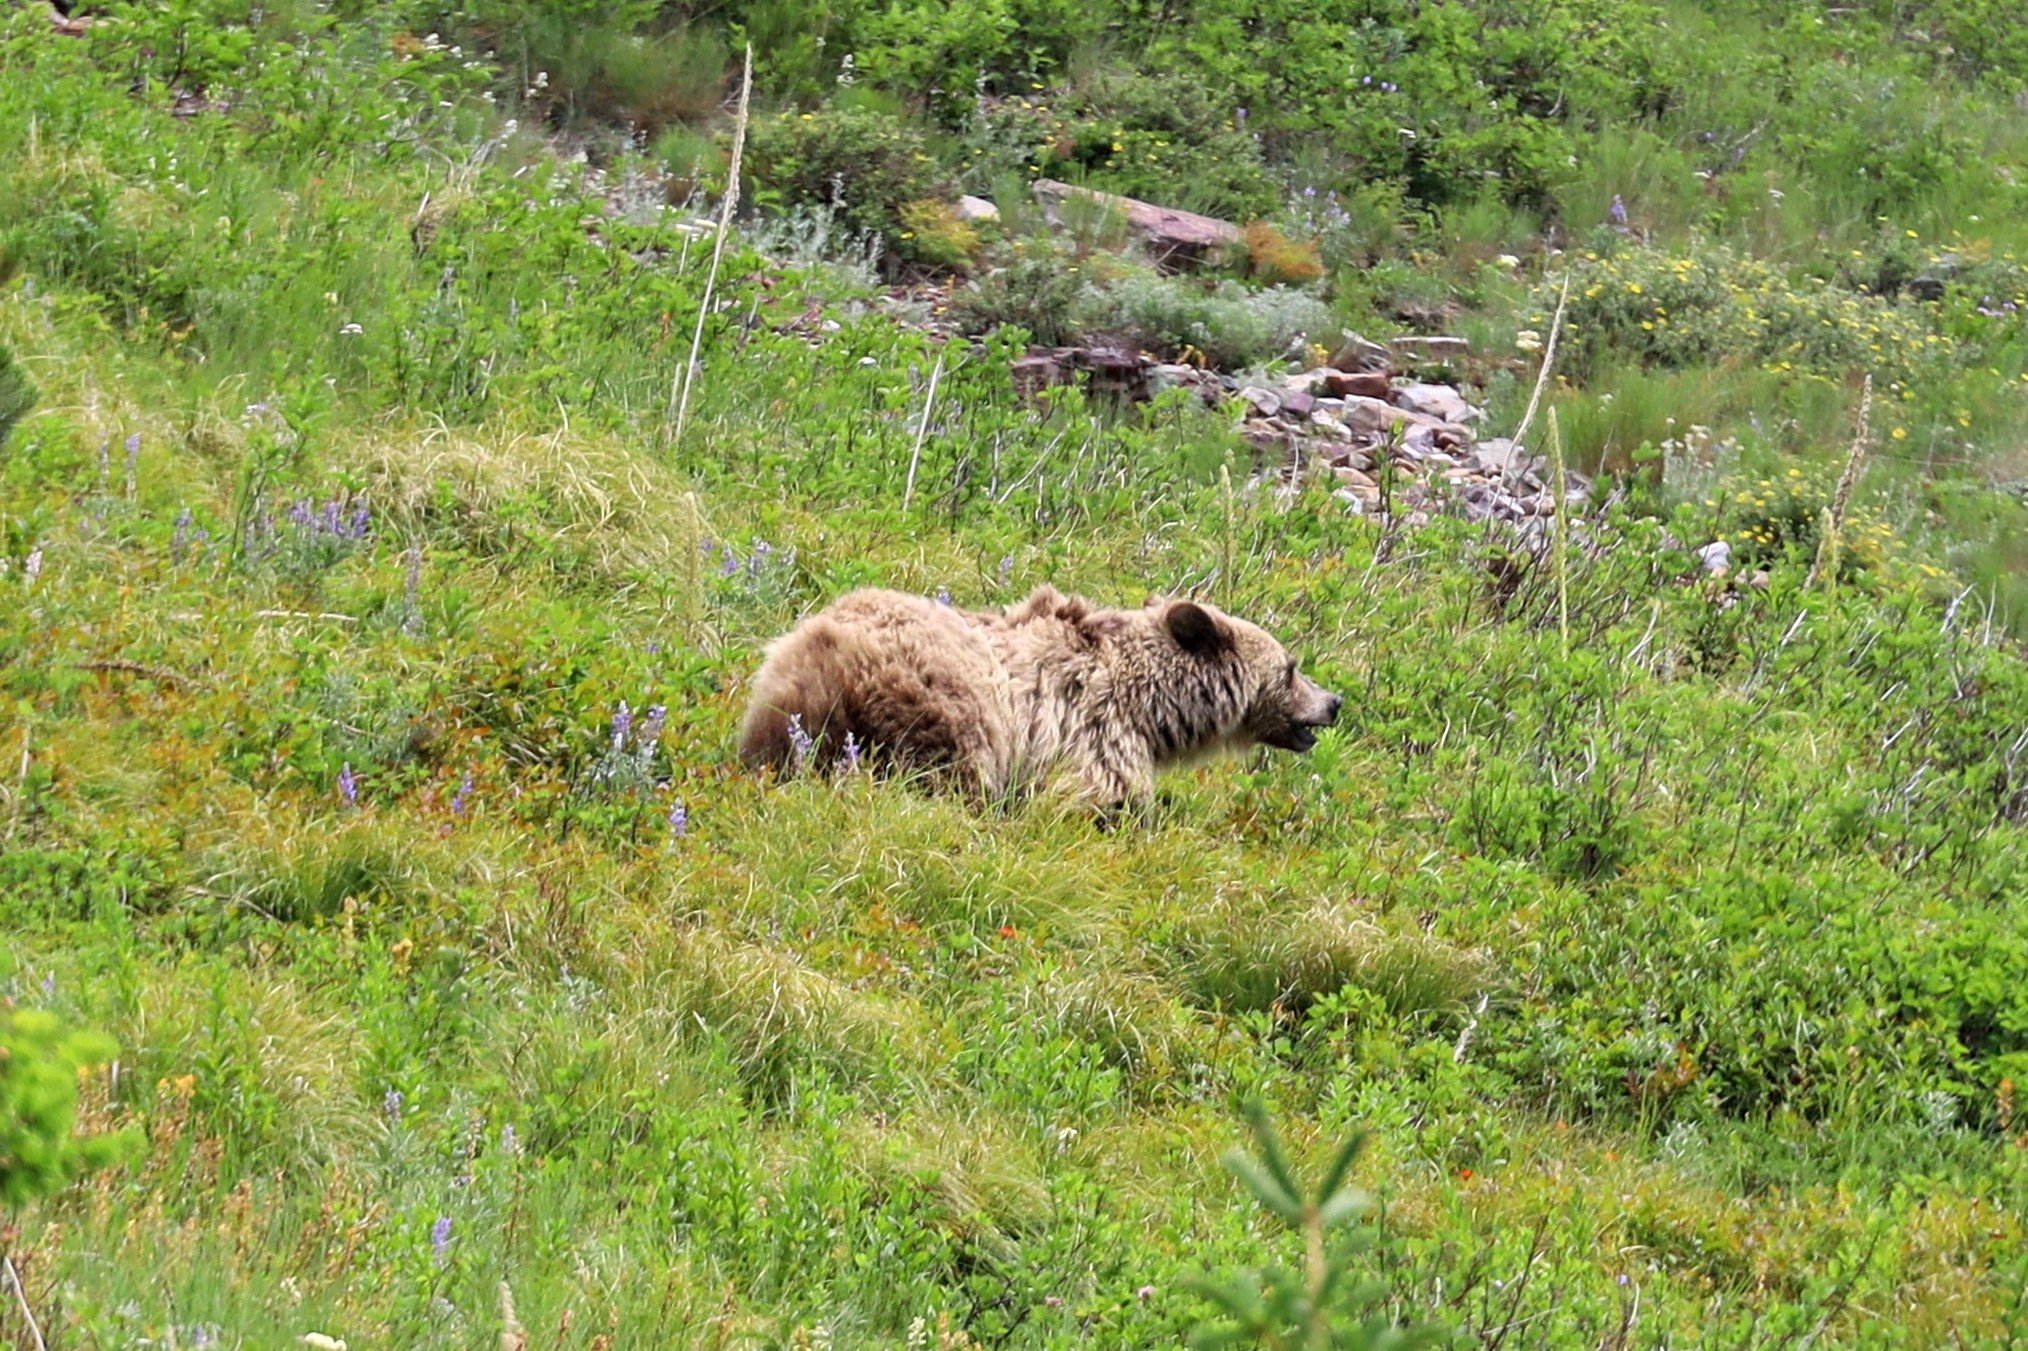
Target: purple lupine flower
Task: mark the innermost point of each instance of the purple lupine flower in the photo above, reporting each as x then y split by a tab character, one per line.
180	541
510	1144
330	522
943	595
852	753
728	563
299	514
391	1104
801	744
348	785
133	459
440	1238
763	554
362	521
679	820
1006	569
623	723
461	801
651	728
1618	213
49	986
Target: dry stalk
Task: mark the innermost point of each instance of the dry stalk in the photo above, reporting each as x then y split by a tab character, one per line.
1825	565
1548	363
921	431
679	392
1562	529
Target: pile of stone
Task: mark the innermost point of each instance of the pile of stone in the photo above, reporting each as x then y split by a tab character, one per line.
1404	446
1391	444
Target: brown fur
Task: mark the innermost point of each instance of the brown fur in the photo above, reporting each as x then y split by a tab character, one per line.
1052	688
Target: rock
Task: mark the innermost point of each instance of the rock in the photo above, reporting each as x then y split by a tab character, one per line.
1431	348
1176	238
1170	375
1356	384
1360	485
1499	456
1330	425
1438	401
1299	402
1376	417
1262	402
1716	556
1758	580
1038	371
974	209
1356	354
1115	371
1929	284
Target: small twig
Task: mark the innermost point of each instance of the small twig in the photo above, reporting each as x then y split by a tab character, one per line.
304	614
1562	533
921	431
160	674
21	1297
679	392
1548	363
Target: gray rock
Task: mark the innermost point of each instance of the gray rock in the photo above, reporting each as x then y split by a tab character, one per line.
1176	238
1357	354
1501	456
1438	401
1716	556
977	209
1263	402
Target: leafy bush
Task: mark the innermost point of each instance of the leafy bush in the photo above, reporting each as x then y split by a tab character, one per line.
865	163
40	1152
1037	289
1710	303
1169	140
932	233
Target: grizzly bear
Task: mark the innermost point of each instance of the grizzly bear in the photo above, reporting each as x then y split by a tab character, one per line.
1051	690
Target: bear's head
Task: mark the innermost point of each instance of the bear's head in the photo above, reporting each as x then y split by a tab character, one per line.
1256	693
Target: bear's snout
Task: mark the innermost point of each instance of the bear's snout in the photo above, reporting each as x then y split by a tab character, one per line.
1332	703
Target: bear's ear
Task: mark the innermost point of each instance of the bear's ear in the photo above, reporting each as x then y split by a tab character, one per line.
1194	629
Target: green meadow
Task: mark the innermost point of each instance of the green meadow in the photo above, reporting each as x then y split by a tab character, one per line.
373	645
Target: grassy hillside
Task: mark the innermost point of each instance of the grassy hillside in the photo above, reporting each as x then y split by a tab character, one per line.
372	651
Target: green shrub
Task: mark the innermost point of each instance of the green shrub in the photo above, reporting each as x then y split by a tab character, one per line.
864	163
932	233
1037	289
40	1151
1711	304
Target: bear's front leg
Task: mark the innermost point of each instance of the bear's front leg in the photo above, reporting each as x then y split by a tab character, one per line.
1114	782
